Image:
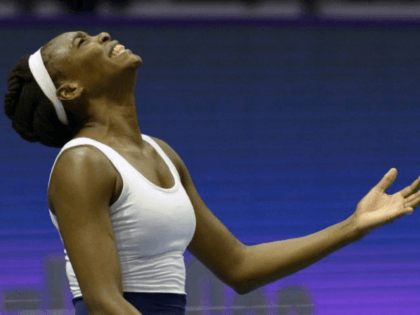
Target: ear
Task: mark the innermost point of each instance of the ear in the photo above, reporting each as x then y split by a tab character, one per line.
69	91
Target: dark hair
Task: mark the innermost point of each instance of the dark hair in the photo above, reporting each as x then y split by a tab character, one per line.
32	113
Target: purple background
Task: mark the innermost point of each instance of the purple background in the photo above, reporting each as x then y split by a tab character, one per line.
284	128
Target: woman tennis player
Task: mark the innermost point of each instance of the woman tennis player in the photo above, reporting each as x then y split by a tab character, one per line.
124	203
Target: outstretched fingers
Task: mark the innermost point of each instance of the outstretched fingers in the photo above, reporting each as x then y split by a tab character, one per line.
407	191
412	201
387	180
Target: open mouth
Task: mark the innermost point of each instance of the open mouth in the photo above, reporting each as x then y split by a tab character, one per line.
116	50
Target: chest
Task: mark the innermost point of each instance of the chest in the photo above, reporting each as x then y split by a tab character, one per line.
150	165
149	221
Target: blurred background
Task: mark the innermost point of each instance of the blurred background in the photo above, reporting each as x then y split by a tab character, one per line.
286	114
405	9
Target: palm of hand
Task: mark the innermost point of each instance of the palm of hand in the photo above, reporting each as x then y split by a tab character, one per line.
377	208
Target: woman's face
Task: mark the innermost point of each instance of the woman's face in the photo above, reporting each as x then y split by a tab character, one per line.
89	60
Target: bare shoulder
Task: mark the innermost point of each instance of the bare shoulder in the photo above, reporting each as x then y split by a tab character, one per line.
81	166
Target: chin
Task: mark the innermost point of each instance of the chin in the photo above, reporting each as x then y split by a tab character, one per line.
136	61
139	61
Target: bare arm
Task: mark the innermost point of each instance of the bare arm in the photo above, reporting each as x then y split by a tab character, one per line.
80	191
246	268
266	263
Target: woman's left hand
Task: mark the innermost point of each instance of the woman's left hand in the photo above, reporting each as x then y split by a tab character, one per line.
377	208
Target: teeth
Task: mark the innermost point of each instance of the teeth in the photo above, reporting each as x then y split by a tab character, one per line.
118	49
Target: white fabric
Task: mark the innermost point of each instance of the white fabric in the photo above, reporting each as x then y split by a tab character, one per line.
152	227
40	73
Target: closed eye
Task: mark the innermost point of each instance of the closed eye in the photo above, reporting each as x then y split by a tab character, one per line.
81	41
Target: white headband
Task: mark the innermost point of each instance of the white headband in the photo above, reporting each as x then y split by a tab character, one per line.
44	81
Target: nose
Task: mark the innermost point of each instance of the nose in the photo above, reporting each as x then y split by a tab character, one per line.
104	37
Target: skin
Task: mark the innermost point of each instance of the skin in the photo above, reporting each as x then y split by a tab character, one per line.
100	91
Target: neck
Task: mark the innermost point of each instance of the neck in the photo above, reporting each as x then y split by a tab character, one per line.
114	124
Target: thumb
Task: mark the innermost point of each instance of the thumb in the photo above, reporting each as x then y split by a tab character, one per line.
387	180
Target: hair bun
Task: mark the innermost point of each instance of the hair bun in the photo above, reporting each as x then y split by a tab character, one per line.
32	113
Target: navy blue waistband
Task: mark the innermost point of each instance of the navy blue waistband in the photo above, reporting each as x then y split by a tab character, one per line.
146	303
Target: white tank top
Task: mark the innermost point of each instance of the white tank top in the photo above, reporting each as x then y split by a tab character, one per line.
152	227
